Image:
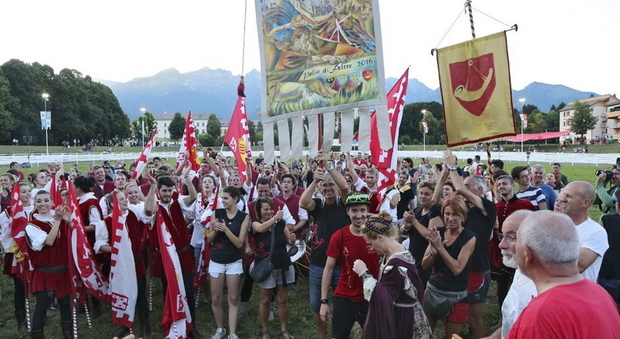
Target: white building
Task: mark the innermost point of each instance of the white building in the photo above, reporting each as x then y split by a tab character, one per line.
163	120
613	120
599	110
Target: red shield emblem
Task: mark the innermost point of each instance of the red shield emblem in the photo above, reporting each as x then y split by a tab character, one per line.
473	82
367	74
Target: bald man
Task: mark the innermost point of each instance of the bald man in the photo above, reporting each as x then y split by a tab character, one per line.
574	201
567	305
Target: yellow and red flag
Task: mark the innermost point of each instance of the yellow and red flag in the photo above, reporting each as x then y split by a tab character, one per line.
475	89
188	144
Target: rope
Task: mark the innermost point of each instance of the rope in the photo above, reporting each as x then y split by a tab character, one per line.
28	322
471	19
446	34
245	19
490	17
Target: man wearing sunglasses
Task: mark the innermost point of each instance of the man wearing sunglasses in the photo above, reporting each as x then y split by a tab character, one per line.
330	215
346	246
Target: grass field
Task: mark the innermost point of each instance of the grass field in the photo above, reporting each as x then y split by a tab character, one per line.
301	323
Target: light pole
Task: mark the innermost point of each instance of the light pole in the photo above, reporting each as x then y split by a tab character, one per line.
424	129
143	110
46	98
522	101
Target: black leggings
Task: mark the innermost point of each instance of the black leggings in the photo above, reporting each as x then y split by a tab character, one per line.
19	296
43	302
246	288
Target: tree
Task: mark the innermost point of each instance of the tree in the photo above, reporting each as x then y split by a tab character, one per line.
177	127
214	126
6	118
253	133
536	123
149	126
529	109
582	120
412	116
553	121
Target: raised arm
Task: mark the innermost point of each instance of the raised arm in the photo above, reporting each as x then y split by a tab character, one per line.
191	189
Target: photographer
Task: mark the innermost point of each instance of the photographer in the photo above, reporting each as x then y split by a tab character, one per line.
605	198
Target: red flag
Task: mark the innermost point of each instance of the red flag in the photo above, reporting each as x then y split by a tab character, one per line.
176	321
144	156
123	280
203	261
83	257
188	144
18	232
55	192
238	137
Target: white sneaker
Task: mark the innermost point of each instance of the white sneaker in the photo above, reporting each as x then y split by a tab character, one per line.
233	336
219	334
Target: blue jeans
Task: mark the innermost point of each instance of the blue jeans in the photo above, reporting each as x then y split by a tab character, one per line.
316	276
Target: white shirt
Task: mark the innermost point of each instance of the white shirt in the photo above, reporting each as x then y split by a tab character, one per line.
593	237
521	292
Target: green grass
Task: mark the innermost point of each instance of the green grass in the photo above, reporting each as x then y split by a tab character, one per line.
301	323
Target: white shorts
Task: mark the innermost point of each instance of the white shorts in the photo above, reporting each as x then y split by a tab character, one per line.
234	268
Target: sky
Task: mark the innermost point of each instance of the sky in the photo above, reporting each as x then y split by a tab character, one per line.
569	42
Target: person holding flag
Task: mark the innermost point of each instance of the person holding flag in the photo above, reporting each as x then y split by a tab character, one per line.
48	236
8	224
128	272
173	208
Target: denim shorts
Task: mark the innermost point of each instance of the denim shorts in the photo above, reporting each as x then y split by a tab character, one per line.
275	278
316	276
234	268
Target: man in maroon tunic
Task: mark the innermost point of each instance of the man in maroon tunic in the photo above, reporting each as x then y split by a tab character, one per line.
172	206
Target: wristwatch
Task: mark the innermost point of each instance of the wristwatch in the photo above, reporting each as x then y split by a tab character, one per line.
452	168
324	301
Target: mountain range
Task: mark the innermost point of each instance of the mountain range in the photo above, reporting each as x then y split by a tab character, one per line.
215	91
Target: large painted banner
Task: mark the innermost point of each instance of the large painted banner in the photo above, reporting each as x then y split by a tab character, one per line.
319	56
476	92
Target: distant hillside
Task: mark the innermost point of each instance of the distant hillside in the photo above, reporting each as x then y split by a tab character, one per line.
215	91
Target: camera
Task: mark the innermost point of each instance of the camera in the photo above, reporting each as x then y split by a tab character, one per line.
608	174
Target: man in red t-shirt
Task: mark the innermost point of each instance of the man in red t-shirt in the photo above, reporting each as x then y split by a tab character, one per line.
348	245
567	305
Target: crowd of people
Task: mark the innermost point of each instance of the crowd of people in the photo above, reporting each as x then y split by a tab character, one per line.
396	260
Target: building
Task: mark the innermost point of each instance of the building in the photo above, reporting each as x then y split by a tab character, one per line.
599	105
163	120
613	120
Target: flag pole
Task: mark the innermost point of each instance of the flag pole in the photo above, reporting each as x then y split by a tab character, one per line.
471	19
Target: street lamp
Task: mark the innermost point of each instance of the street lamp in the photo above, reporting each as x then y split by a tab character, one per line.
143	110
46	98
424	129
522	101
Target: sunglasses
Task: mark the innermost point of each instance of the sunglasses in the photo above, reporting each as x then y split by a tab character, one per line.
357	198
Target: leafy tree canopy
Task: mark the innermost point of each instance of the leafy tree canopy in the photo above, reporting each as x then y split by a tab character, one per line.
177	127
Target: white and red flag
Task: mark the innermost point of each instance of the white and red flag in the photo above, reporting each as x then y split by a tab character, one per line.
523	120
24	268
425	126
188	144
238	136
176	321
86	265
203	261
123	280
387	160
144	156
